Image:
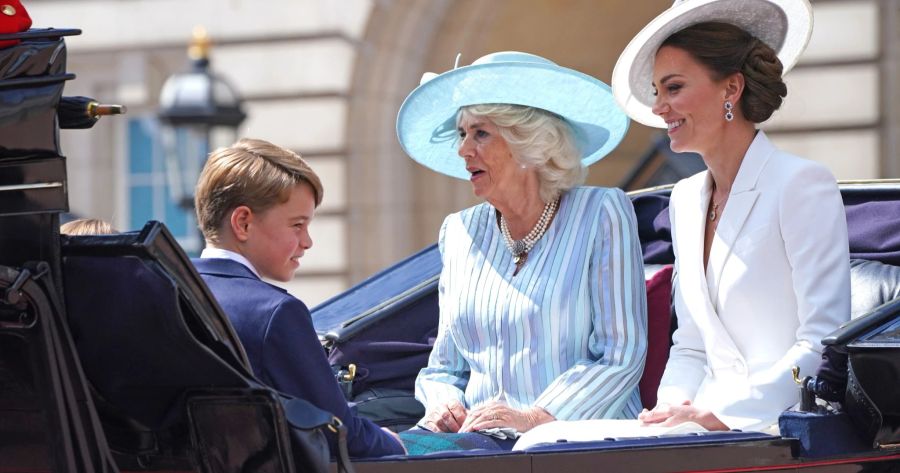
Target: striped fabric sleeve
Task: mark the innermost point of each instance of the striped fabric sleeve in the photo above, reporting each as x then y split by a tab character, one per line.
602	386
447	374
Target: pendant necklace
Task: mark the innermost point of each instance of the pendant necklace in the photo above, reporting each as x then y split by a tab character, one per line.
714	213
520	248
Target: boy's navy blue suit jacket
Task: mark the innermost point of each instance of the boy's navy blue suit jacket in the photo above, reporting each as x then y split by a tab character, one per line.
278	335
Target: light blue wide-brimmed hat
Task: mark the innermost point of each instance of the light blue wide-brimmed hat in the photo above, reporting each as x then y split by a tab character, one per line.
426	123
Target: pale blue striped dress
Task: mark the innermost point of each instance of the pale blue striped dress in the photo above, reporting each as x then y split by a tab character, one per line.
568	333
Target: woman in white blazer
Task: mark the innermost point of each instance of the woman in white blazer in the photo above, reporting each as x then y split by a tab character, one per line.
760	238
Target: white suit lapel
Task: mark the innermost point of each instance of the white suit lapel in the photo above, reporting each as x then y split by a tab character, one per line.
692	274
690	237
740	202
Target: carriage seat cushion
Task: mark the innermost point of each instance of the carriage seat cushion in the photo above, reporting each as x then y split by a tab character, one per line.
659	326
872	284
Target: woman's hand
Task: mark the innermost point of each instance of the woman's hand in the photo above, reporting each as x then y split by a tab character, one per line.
659	414
447	417
498	414
666	415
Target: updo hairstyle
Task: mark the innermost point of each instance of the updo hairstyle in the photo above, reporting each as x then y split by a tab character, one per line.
726	49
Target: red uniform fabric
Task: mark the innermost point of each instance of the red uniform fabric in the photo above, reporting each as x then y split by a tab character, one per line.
13	19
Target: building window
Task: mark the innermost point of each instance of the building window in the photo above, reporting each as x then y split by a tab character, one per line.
149	195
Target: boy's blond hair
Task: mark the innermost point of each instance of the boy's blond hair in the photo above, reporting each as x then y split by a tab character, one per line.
251	172
87	226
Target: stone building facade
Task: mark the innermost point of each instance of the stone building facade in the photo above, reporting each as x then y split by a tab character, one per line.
326	78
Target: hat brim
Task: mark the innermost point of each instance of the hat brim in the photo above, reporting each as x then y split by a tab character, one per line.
785	25
426	123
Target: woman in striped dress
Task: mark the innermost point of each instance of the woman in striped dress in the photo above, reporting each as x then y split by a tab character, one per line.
542	299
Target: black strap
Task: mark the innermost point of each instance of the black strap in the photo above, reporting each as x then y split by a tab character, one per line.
343	456
864	414
82	435
301	414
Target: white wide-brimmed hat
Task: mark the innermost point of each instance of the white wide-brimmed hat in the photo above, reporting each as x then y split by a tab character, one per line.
426	123
785	25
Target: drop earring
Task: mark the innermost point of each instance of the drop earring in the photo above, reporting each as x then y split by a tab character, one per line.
728	114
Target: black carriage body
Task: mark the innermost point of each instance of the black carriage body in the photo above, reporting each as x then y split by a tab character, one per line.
115	357
86	382
45	413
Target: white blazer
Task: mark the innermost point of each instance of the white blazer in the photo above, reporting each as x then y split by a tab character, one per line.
777	282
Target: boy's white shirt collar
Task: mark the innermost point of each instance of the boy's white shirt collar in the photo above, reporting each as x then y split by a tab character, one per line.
220	253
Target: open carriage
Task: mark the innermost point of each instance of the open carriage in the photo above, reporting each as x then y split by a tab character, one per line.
391	309
114	356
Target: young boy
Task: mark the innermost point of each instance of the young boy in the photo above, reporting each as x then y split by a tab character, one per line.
255	202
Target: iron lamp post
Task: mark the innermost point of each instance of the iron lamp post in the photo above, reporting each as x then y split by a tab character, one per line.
198	109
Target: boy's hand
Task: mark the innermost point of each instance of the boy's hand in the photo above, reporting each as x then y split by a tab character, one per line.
396	437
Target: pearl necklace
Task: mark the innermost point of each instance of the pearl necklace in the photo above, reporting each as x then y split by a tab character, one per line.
520	248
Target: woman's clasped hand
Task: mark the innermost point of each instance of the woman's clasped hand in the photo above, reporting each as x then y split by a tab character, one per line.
667	415
454	417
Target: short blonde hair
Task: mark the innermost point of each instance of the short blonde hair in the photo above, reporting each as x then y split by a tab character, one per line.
536	138
251	172
87	226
